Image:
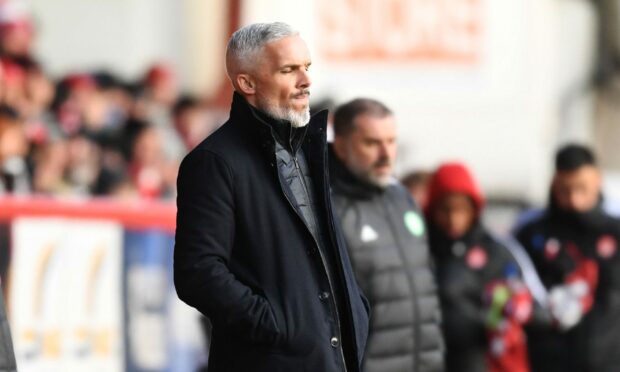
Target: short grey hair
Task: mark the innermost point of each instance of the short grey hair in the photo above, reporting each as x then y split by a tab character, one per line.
247	41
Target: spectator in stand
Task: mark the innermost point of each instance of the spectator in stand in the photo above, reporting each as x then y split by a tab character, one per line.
160	93
83	165
75	92
14	79
151	173
89	134
161	86
14	147
40	124
16	29
191	121
50	164
119	93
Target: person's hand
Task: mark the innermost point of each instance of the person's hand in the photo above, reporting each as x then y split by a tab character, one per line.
566	303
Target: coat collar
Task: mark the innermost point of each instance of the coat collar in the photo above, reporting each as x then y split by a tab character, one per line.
245	115
595	218
441	244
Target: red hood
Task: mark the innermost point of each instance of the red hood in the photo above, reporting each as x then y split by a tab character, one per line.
453	178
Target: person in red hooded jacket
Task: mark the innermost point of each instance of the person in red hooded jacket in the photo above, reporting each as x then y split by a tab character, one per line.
484	302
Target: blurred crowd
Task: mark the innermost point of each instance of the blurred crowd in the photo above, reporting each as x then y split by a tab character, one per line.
90	133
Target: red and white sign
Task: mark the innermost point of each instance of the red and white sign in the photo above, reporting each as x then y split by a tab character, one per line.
400	30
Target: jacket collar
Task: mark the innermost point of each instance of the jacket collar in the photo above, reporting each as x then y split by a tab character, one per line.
346	183
258	124
282	131
580	221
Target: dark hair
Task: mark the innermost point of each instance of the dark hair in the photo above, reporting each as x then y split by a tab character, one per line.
184	103
416	178
346	113
572	157
9	113
106	80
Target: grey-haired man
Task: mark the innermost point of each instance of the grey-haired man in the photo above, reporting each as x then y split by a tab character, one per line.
258	250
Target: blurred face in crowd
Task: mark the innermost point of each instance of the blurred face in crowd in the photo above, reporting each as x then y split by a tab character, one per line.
165	90
369	151
39	88
192	125
148	149
13	141
51	164
454	214
577	190
84	161
279	83
14	79
16	38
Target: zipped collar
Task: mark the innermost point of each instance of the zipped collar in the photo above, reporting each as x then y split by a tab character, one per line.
288	136
257	123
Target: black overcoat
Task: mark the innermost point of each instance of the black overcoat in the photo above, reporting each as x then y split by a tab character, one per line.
244	257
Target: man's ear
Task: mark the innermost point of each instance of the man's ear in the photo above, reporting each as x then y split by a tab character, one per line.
246	84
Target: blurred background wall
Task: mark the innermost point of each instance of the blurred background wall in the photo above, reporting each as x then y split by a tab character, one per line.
497	84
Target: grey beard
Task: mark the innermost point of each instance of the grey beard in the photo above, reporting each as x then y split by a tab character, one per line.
380	182
366	174
297	119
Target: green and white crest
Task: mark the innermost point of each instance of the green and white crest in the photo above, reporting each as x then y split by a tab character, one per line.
414	223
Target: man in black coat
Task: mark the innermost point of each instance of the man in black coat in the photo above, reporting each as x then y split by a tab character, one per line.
258	250
574	246
387	242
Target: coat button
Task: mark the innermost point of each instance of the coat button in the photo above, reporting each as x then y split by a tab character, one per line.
323	296
334	342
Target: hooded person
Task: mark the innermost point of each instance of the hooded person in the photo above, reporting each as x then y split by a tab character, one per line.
484	301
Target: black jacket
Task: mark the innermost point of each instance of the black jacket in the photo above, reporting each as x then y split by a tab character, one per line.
464	267
388	249
594	344
246	258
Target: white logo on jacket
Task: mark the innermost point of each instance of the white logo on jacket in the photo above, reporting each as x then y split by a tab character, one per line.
368	234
